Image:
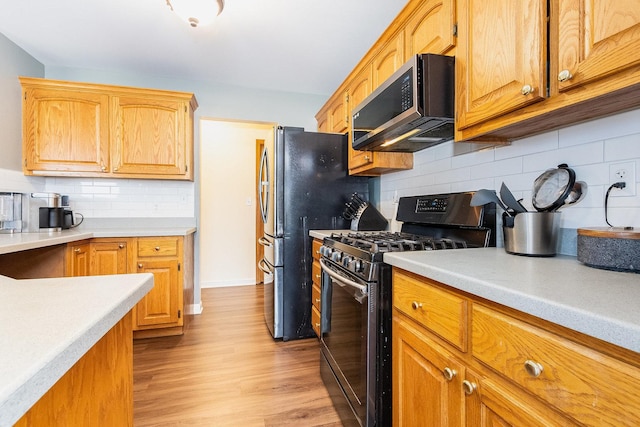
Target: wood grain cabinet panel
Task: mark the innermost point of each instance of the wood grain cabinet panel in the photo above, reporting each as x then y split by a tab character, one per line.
430	29
525	67
578	381
109	257
78	259
92	130
502	54
517	370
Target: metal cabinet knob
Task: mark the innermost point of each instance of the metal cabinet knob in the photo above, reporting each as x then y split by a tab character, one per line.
367	158
318	300
564	75
140	266
157	248
416	305
449	374
121	246
533	368
468	387
77	250
526	90
103	168
318	276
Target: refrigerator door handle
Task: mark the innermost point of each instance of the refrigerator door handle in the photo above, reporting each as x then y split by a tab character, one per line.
265	242
263	185
262	265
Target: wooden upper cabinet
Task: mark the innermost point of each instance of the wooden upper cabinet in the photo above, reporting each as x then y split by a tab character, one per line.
595	38
83	129
149	136
388	59
359	88
338	114
65	131
430	29
501	59
508	86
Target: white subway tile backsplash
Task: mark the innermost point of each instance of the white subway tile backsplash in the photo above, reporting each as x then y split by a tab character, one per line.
588	148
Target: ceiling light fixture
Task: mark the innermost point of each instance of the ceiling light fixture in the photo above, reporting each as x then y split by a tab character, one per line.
196	12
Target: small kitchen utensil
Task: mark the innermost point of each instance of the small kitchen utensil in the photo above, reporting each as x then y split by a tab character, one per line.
532	234
484	196
508	198
610	248
552	188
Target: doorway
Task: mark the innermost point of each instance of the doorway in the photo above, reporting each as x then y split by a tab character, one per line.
228	217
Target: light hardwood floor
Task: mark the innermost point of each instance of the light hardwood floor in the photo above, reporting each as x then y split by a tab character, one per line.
226	370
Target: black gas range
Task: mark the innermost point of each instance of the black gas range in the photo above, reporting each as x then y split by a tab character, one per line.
357	303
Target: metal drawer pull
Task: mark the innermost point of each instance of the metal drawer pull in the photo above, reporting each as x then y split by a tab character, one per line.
533	368
318	300
121	246
416	305
139	265
564	75
526	90
468	387
157	248
449	373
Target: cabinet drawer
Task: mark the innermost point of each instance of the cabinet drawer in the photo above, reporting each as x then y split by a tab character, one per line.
588	386
315	297
158	246
316	273
315	321
315	248
441	312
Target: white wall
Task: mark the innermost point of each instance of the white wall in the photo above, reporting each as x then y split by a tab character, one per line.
589	148
227	228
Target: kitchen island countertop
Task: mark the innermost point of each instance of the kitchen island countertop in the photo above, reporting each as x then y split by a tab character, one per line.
600	303
49	324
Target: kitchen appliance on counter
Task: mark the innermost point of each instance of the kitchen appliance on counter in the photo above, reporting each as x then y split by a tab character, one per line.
610	248
47	212
303	184
363	215
355	360
411	110
10	213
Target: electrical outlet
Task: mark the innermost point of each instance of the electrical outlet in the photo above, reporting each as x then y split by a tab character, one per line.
623	172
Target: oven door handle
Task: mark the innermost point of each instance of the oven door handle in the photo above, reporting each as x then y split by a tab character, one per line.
341	279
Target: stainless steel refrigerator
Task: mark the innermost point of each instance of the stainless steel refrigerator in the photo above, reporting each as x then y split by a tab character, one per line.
303	184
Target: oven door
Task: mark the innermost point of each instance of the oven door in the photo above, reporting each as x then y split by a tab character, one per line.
344	335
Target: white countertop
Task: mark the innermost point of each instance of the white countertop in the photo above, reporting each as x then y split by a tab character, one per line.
600	303
49	324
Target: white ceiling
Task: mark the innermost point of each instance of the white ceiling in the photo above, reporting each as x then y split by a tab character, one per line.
305	46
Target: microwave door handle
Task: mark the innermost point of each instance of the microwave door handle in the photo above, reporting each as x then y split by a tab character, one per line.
340	279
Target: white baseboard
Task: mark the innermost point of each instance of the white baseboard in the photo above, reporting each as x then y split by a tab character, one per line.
224	284
194	309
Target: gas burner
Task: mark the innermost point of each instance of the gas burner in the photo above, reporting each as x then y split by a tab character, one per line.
386	241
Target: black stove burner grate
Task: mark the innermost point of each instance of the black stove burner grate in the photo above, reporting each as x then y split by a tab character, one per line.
383	241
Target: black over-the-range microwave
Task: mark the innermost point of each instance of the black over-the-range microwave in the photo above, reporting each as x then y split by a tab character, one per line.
412	110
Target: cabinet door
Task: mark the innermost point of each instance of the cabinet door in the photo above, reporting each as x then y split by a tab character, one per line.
161	306
595	39
427	388
108	258
430	28
65	131
388	59
359	89
149	136
487	404
78	260
338	115
500	59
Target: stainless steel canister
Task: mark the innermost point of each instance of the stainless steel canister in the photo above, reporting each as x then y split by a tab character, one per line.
533	233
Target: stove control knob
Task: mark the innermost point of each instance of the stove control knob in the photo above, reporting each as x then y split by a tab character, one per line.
324	251
336	256
357	266
346	261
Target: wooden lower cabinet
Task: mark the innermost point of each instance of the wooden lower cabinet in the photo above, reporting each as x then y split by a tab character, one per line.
96	391
168	258
316	290
78	261
517	370
426	380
